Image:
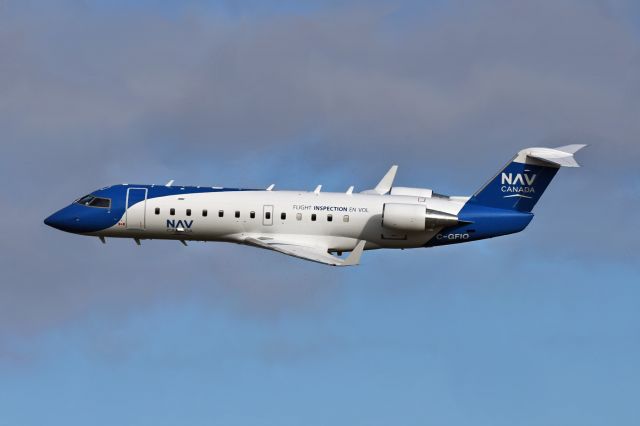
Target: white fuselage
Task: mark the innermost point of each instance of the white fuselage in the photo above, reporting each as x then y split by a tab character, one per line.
341	219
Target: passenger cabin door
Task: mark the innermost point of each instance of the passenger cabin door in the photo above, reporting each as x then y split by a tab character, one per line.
136	208
267	215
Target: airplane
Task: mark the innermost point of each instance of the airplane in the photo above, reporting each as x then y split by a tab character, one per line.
320	226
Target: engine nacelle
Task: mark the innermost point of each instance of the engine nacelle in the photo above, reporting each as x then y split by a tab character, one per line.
404	217
412	192
415	218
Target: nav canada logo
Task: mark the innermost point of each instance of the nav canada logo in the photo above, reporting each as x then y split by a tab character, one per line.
179	225
517	184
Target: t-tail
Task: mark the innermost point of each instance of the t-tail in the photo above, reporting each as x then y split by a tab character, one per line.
521	183
503	205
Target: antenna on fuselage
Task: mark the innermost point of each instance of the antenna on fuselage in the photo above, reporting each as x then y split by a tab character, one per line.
270	187
169	183
317	190
350	190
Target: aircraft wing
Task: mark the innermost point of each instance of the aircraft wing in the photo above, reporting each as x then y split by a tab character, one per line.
314	254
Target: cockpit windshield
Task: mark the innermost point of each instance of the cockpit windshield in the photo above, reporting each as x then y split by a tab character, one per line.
85	200
93	201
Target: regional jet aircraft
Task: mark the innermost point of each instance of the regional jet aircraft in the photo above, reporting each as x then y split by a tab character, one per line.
320	226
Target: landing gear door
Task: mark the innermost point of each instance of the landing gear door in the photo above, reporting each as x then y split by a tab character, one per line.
267	215
136	208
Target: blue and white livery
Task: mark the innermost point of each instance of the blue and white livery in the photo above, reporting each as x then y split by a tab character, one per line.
320	226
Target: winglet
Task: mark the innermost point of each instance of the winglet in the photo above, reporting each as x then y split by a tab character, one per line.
386	182
354	258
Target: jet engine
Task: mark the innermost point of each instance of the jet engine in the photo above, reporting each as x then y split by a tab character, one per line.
415	217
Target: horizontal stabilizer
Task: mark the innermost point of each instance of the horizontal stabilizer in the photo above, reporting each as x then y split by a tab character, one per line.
571	149
561	156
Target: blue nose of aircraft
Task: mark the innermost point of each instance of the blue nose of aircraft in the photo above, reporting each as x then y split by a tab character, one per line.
50	221
63	220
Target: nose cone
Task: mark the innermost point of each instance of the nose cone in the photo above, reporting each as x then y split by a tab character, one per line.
80	219
50	221
63	220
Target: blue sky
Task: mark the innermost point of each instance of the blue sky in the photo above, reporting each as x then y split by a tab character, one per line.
537	328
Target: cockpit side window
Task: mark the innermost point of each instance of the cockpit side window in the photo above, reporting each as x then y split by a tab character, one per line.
93	201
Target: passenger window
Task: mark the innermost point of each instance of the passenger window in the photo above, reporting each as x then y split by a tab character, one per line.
220	213
204	212
298	216
267	215
172	212
252	215
345	218
157	210
313	217
283	215
237	214
188	212
329	218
